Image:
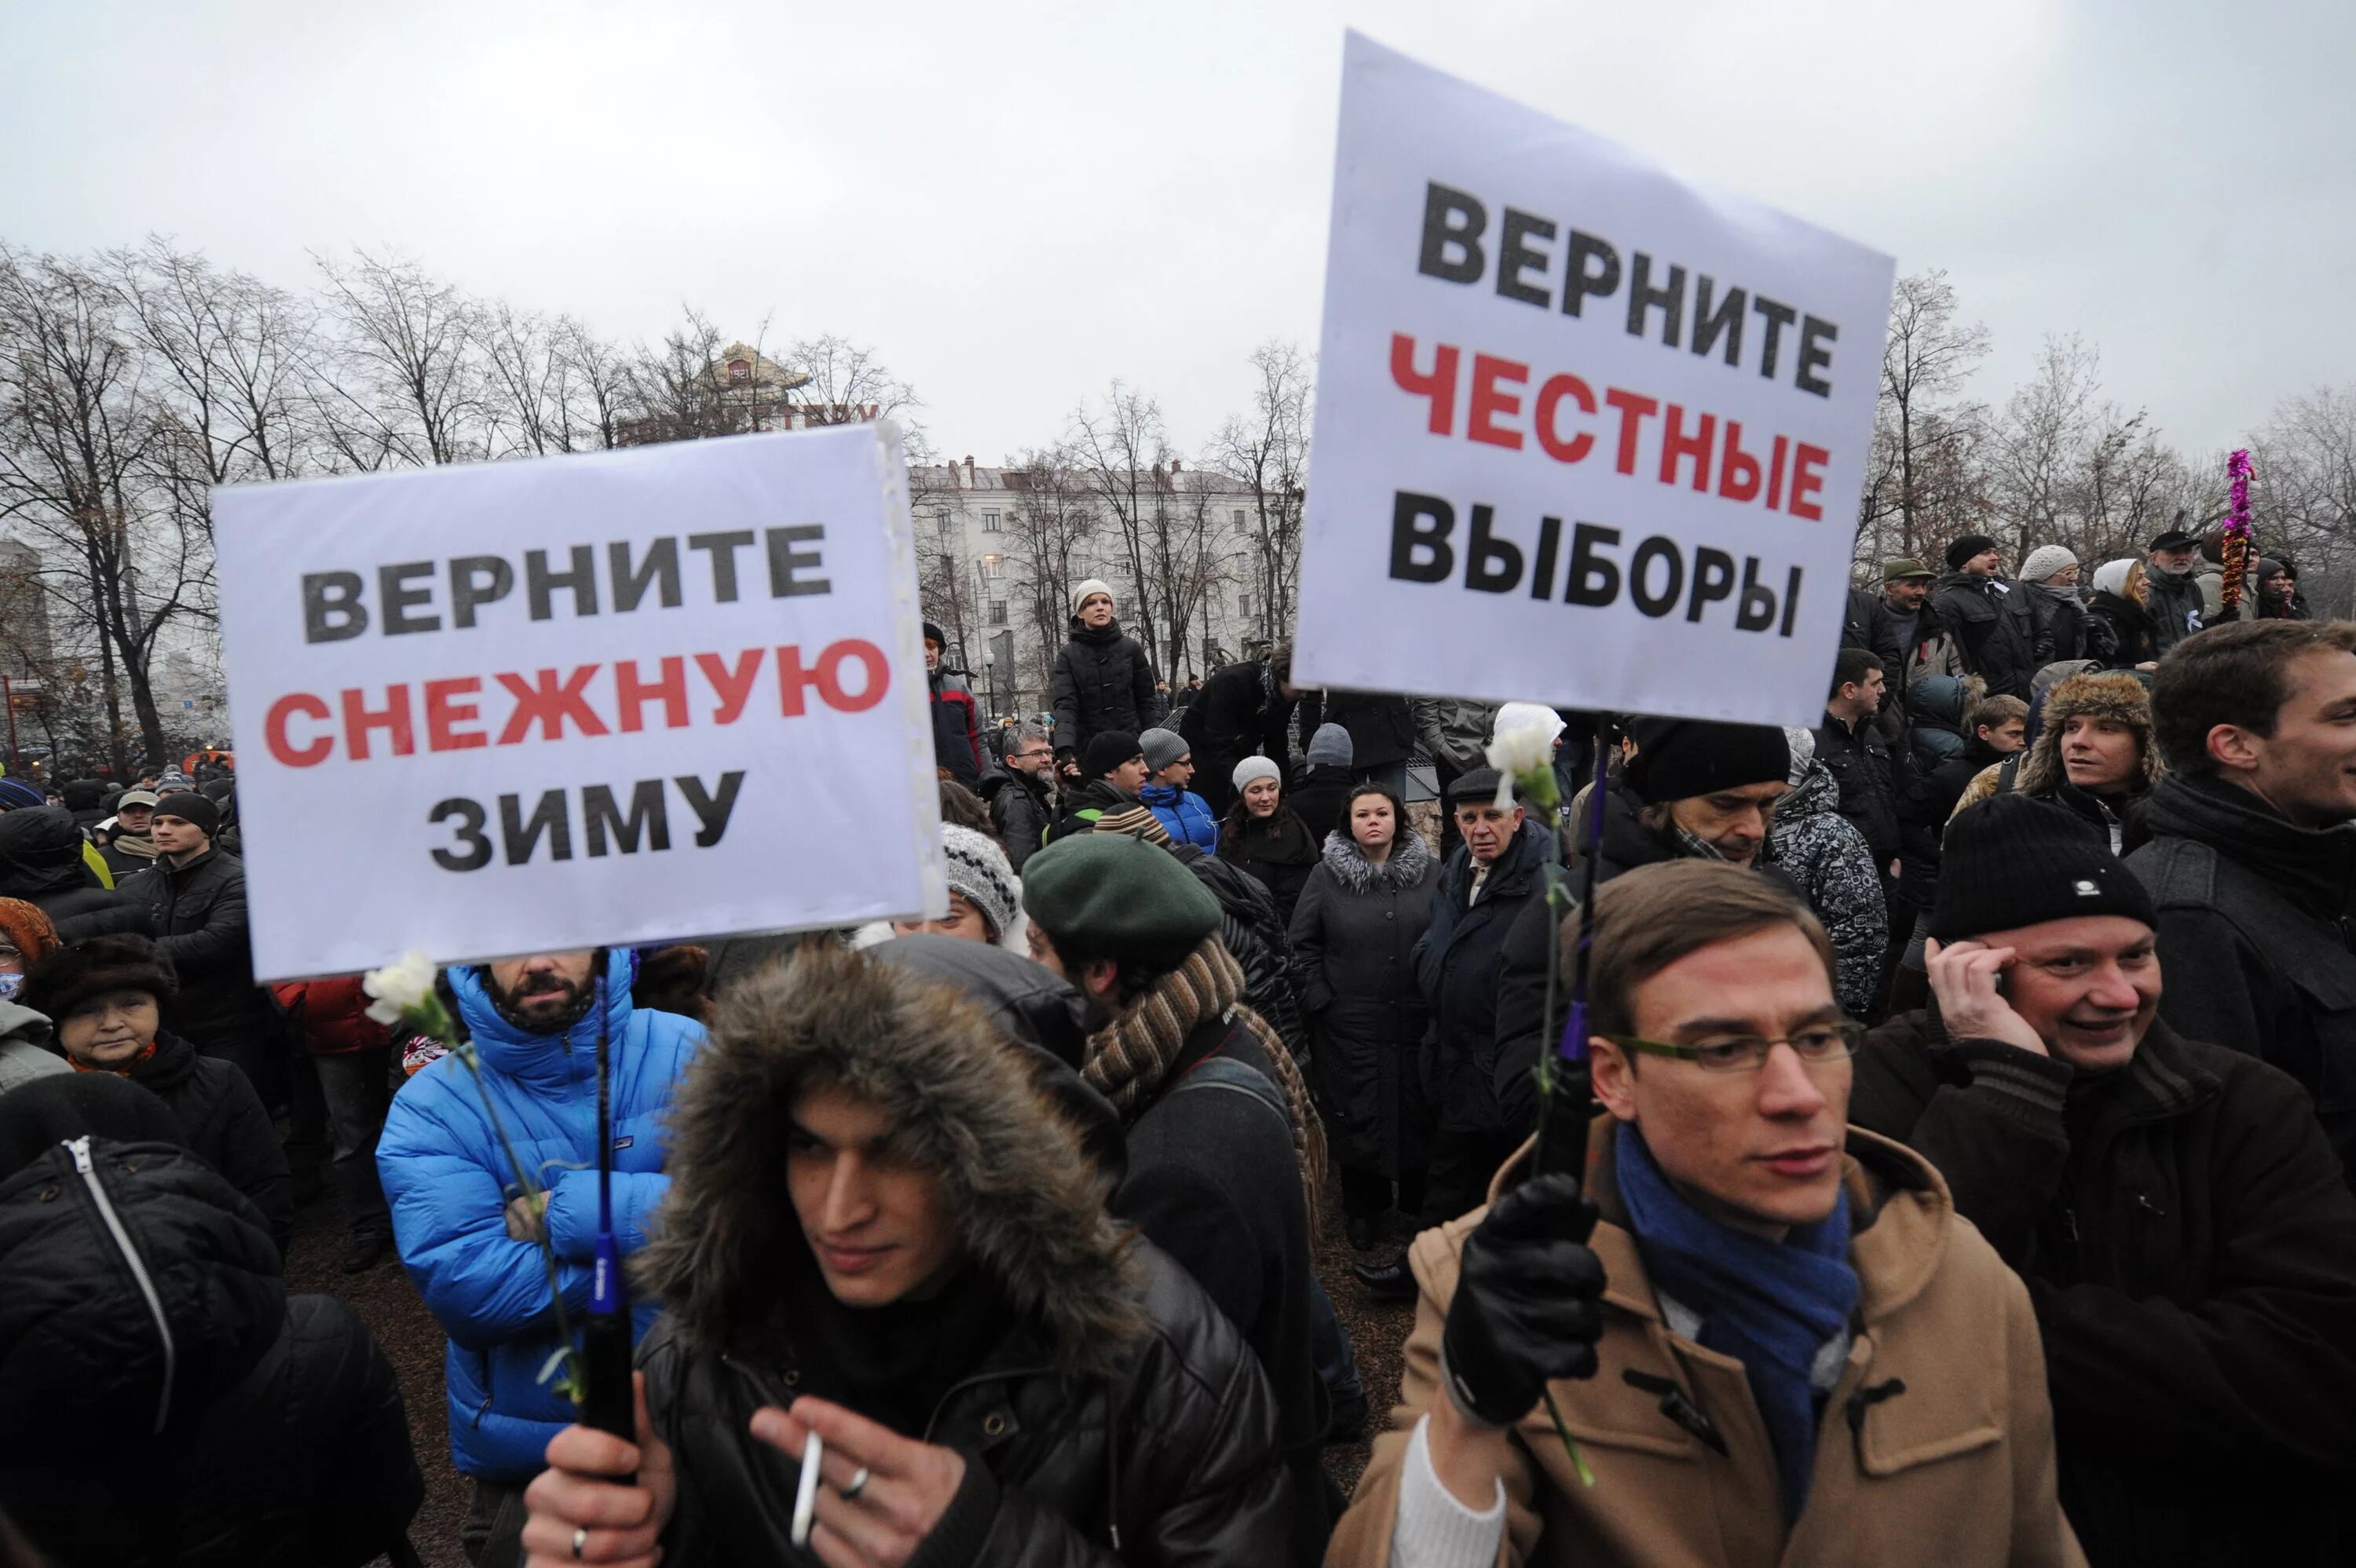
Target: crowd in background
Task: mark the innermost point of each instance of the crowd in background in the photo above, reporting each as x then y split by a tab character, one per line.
1974	1164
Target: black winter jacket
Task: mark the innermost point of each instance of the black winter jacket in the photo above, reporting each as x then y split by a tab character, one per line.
1021	810
1240	712
1279	852
1382	728
1458	964
1993	628
1930	800
2191	1252
2257	937
1320	798
2175	605
2128	632
1254	932
1859	761
1213	1182
1104	681
226	1126
198	911
284	1444
40	862
1353	936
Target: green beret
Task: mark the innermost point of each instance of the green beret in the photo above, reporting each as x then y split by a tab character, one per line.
1119	897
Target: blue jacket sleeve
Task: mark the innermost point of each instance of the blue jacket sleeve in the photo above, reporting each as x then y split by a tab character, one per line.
443	1180
572	1210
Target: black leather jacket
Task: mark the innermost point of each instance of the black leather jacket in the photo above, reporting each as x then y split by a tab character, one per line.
1173	1461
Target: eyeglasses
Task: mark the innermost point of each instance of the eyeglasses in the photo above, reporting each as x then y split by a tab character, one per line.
1817	1043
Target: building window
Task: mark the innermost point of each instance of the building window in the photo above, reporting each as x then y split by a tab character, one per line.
944	524
1243	605
993	567
998	612
990	521
1241	526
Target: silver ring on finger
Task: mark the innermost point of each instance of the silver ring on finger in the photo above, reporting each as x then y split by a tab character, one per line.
580	1539
857	1485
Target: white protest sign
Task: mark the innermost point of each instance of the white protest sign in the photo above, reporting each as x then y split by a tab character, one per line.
611	698
1585	433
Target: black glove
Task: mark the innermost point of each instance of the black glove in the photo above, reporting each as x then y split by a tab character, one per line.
1528	1304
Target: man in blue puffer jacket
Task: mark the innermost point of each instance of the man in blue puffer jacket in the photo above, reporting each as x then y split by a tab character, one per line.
1169	769
468	1236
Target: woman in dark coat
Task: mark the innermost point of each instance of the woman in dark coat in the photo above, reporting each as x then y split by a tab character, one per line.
105	998
2118	607
1104	678
1354	935
1264	837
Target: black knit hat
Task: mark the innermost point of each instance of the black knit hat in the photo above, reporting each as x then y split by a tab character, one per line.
2013	860
1677	759
192	808
1107	752
1963	549
71	976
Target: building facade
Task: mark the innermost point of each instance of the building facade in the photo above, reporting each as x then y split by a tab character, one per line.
999	549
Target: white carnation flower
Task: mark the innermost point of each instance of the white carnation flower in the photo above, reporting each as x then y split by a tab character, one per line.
398	987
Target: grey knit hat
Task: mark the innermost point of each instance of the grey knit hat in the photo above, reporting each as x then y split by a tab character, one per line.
1330	747
1163	747
978	869
2044	562
1255	767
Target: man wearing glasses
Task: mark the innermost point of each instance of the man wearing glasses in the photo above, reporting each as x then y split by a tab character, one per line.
2188	1239
1769	1334
1021	794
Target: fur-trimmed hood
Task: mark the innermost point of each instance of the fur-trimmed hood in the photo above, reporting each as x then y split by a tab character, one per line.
1409	860
2102	694
1028	1199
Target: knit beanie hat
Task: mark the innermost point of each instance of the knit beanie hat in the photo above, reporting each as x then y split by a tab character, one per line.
25	928
2012	861
1677	759
1137	822
1107	752
1161	748
1803	743
192	808
1963	549
978	869
2111	577
2044	562
1255	767
1330	747
1113	896
1087	586
71	977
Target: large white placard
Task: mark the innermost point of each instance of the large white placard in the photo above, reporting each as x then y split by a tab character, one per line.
620	697
1585	433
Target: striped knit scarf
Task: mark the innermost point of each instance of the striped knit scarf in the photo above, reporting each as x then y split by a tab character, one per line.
1129	1058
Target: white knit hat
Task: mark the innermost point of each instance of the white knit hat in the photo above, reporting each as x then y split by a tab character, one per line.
1087	586
1515	715
2111	577
1252	768
2044	562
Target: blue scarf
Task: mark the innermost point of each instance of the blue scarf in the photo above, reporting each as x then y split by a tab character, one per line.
1771	1306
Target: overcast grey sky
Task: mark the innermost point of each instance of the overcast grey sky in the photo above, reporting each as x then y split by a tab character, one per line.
1015	203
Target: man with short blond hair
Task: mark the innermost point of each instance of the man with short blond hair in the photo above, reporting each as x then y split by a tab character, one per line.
1762	1326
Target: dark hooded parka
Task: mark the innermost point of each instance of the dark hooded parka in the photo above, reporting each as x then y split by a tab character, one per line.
1096	1393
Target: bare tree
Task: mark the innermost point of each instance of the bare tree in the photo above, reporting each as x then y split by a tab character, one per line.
1119	450
82	444
1267	451
1050	527
2305	491
404	382
845	383
1920	426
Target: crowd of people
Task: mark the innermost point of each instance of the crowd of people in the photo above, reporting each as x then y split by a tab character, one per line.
1972	1177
